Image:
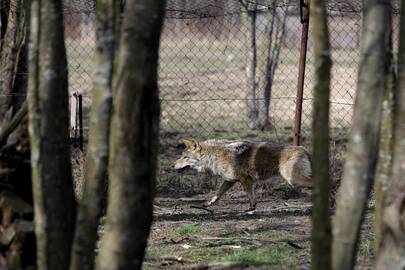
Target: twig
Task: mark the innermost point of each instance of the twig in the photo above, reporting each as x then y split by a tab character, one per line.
179	241
202	208
253	241
294	245
218	265
166	258
8	129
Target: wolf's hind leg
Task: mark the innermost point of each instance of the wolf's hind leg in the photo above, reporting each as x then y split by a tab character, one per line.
225	186
248	187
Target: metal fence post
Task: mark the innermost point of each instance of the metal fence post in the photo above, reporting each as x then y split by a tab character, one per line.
304	12
81	122
78	129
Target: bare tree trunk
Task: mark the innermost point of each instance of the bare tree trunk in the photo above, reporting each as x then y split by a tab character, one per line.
4	13
392	243
134	138
54	203
268	68
251	96
363	142
384	165
321	228
19	249
8	59
91	204
119	6
20	84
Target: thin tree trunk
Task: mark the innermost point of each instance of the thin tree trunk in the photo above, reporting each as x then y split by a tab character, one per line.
91	204
20	84
264	64
384	165
54	203
321	228
4	13
119	6
8	59
15	177
392	243
249	17
251	66
363	142
272	57
134	138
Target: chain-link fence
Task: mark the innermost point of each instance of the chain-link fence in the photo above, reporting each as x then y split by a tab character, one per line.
208	79
230	65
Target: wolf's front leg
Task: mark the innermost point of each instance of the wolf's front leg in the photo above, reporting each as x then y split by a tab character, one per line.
247	184
225	186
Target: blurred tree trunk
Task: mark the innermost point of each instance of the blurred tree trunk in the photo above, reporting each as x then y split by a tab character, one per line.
249	17
93	200
134	138
19	250
54	203
4	11
13	56
384	164
363	140
268	61
392	239
321	228
119	6
263	54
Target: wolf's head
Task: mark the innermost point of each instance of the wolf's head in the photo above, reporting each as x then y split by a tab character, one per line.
190	157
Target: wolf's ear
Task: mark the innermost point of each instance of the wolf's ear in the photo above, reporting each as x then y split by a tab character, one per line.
190	143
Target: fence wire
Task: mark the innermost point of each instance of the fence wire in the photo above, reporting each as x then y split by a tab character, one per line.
205	60
208	82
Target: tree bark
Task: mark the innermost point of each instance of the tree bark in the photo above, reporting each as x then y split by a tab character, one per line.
20	83
119	7
363	140
93	200
9	52
4	13
392	243
54	203
252	113
384	165
276	27
134	138
321	227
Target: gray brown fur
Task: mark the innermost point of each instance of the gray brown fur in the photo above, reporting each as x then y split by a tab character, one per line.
246	162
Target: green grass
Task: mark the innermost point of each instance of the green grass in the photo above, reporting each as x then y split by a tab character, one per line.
253	255
188	229
220	251
277	254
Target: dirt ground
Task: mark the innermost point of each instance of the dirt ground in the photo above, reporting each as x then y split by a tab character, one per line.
275	236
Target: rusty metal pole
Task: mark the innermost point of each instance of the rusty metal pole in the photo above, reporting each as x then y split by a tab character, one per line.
81	123
304	12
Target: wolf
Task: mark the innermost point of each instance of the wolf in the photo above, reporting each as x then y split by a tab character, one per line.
246	161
